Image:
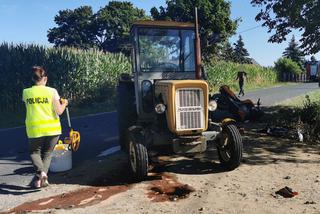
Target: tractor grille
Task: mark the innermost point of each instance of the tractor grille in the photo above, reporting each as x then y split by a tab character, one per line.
190	109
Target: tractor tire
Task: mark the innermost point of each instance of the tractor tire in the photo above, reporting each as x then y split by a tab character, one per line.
230	147
138	155
126	111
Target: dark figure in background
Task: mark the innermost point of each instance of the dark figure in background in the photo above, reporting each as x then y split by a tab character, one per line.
241	77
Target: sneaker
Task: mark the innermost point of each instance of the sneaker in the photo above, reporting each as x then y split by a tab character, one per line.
36	183
44	179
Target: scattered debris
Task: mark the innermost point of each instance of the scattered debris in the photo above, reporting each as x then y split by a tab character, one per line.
286	192
300	135
309	202
277	131
276	196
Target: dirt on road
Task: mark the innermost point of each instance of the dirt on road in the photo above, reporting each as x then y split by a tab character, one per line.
187	185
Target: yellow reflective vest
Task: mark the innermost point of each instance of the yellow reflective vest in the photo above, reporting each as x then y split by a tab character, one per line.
41	118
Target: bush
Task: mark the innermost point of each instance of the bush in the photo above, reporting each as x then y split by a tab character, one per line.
310	117
286	65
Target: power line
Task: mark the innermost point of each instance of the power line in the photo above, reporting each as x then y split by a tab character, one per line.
249	29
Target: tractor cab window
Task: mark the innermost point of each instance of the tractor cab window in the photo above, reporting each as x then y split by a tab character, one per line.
166	50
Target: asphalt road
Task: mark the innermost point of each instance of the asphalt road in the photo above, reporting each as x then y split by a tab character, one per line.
99	133
274	95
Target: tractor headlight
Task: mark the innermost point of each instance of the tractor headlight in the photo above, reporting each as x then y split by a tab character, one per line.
160	108
212	105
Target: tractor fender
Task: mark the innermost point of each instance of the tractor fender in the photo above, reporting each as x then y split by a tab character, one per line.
138	133
227	121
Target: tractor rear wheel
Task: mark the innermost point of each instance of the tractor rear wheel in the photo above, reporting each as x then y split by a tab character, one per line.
230	147
138	155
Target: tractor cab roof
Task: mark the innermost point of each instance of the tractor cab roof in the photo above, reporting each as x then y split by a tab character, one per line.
162	24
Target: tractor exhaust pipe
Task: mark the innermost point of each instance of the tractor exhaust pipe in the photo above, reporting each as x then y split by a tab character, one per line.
198	46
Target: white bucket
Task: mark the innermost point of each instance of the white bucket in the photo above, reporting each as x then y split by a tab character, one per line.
61	158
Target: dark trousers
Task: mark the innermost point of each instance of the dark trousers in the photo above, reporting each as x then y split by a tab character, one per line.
41	152
241	83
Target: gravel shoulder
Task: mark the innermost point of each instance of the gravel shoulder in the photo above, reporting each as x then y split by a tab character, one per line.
104	185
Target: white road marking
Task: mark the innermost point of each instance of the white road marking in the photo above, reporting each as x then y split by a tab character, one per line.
109	151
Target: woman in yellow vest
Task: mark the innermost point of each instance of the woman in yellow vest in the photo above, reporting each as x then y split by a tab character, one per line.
42	123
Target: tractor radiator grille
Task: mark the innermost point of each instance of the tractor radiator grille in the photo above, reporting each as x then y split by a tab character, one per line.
190	109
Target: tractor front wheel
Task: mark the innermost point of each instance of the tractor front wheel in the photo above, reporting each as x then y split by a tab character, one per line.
138	155
230	147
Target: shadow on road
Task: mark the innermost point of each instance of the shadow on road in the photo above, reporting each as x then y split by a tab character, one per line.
7	189
24	171
261	148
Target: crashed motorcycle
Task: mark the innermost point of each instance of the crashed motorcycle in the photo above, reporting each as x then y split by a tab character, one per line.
230	106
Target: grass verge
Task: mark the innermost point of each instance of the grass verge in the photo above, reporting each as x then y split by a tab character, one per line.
299	101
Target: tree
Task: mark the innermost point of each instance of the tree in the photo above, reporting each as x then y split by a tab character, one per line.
285	15
215	23
286	65
241	54
228	52
294	53
74	28
113	23
107	30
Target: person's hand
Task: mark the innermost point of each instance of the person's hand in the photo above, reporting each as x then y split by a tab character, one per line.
64	102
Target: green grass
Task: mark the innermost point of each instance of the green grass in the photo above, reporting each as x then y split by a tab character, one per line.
299	100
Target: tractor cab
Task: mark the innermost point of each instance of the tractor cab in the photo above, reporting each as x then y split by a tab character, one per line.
163	48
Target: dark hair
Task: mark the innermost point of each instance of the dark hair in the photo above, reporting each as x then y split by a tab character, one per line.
38	73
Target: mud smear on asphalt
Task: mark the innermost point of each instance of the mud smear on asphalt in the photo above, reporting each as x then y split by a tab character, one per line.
162	187
168	189
102	188
79	198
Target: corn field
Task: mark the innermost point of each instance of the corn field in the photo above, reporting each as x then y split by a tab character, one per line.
81	76
91	76
225	73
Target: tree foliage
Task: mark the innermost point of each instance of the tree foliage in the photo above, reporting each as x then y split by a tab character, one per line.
294	53
241	54
285	15
228	52
286	65
113	23
74	28
215	23
108	29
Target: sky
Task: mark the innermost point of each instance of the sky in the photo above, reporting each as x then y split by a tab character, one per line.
28	22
